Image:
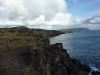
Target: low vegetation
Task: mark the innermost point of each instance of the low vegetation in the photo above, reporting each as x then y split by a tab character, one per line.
12	38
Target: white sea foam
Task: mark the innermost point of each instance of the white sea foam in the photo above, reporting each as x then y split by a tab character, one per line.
93	67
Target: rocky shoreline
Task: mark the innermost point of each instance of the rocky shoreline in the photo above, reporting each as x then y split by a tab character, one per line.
25	51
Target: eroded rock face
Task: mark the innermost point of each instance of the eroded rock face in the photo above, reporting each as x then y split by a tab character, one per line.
49	60
26	51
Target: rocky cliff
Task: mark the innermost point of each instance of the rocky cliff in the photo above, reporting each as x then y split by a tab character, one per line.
26	51
40	32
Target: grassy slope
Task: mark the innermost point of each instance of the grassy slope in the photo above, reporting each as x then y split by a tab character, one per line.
12	38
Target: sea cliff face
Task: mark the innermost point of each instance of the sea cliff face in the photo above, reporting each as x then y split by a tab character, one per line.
26	51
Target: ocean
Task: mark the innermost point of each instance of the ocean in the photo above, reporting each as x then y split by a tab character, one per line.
83	46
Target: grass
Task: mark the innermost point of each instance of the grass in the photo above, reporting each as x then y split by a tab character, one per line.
26	71
11	39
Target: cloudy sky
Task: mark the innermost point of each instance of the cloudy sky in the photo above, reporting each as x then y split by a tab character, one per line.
50	14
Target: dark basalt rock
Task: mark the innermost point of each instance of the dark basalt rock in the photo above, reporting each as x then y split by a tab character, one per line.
95	73
49	60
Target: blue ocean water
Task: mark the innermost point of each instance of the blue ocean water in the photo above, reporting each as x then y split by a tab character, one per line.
83	46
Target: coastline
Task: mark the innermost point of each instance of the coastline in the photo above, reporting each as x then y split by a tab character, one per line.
75	46
29	51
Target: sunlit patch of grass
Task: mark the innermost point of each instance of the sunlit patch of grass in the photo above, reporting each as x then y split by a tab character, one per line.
26	71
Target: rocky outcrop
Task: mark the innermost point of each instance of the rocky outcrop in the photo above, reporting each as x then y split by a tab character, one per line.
42	32
26	52
49	60
49	33
95	73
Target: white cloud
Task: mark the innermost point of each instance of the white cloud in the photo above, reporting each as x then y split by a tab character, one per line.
34	12
37	21
95	20
10	23
77	22
60	19
41	13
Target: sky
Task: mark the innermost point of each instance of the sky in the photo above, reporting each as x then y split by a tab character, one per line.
50	14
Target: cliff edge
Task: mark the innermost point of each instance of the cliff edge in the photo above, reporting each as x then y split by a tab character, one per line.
26	51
